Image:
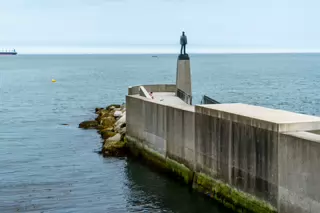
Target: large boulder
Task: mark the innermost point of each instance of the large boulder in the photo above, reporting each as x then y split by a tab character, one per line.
105	113
117	113
113	106
88	124
107	122
116	137
107	133
120	123
123	130
97	110
114	146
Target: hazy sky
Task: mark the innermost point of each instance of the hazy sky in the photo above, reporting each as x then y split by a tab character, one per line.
155	25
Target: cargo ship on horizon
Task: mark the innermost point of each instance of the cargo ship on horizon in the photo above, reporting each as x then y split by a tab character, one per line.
8	52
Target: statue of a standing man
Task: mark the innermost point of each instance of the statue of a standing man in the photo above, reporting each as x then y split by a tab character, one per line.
183	42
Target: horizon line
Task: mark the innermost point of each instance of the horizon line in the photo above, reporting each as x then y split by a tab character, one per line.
165	50
167	53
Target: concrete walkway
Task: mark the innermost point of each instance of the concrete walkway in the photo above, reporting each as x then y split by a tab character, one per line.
170	98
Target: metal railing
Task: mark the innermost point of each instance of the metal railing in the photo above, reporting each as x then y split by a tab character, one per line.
208	100
184	96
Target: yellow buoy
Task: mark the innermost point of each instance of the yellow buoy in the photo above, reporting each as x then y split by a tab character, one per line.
53	80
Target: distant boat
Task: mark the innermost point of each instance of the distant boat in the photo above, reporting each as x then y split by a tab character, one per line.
154	56
8	52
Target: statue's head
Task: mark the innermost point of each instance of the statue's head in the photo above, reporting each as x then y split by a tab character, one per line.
182	32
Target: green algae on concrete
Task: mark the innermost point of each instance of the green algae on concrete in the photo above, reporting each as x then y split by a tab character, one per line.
229	196
137	149
154	158
160	161
180	170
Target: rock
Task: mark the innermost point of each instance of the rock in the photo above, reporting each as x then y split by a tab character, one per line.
104	113
123	131
107	121
115	148
97	110
101	128
88	124
117	114
112	106
115	138
106	133
120	122
115	110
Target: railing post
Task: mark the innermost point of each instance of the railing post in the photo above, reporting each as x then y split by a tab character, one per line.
184	96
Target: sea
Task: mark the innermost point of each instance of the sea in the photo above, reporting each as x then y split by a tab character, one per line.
48	164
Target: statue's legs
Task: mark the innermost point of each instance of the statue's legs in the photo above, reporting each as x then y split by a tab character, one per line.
183	47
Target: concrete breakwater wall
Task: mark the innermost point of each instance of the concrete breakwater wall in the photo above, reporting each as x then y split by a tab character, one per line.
252	159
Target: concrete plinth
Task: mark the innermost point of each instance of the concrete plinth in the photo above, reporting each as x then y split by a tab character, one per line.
183	79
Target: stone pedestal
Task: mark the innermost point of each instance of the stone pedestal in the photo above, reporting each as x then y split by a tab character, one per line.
183	79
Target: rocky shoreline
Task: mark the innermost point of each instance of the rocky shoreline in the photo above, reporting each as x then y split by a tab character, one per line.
111	125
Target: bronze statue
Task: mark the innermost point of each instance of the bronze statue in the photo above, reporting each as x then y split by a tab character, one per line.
183	42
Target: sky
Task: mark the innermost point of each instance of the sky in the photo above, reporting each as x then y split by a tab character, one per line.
154	26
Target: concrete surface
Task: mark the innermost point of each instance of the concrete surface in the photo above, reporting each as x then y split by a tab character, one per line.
160	125
183	76
272	119
299	172
144	93
134	90
265	154
235	151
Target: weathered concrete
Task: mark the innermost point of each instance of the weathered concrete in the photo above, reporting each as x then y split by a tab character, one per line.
271	119
143	92
149	123
250	158
169	98
237	150
183	78
299	172
238	145
134	90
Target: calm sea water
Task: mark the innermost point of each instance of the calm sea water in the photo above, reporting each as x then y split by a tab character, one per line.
48	167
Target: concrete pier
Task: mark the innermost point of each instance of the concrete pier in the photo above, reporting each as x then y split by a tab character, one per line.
250	158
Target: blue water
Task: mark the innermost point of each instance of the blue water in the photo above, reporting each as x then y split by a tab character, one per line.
49	167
